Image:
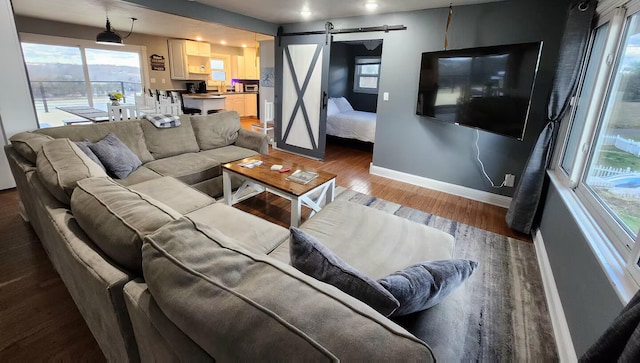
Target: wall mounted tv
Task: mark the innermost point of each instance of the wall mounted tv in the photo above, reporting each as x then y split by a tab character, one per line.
488	88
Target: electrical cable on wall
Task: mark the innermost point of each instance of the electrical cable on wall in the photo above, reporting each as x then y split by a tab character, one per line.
446	31
482	164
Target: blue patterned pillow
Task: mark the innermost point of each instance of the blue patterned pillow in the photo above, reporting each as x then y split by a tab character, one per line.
119	160
314	259
424	285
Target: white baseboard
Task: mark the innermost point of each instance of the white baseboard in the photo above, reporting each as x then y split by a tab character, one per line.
469	193
566	351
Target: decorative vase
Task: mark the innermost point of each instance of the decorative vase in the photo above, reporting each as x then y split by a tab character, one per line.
115	103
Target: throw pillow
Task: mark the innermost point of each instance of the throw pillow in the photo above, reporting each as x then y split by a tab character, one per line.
117	158
424	285
84	146
314	259
332	108
343	104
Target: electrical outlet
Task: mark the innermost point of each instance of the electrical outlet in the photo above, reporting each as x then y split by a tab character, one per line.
509	180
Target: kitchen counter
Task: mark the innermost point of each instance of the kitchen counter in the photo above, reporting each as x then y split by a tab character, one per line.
217	94
202	95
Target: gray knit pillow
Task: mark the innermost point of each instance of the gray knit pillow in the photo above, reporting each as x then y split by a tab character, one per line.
424	285
119	160
84	146
314	259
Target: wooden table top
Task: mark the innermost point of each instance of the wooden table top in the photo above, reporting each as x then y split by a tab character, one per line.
275	179
90	113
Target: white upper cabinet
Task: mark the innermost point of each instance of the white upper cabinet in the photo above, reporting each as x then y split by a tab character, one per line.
189	60
177	59
245	66
200	49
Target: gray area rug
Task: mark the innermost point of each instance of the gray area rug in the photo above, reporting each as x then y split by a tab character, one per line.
506	316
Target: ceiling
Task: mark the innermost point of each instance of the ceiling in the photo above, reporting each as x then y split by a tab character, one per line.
92	13
288	11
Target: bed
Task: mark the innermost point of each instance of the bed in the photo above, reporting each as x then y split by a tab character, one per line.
343	121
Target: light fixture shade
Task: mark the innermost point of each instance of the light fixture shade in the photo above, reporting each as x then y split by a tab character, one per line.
109	36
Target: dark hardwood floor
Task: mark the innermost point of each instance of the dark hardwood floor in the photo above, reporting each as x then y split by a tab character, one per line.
39	321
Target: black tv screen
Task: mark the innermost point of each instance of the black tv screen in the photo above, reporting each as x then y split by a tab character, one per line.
488	88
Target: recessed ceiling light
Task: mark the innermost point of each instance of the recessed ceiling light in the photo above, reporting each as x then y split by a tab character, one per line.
199	39
244	45
305	13
223	42
371	6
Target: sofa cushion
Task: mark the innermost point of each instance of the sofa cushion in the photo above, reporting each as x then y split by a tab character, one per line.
28	144
311	257
425	284
189	168
117	158
117	218
61	164
216	130
175	194
139	175
165	142
130	133
263	236
200	278
228	154
393	243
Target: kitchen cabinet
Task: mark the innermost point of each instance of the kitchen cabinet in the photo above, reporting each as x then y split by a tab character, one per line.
188	67
177	59
200	49
251	104
245	66
235	103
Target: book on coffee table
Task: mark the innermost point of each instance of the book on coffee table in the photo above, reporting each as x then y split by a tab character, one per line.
302	177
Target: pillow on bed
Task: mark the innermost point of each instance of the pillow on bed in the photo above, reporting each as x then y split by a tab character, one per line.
332	109
343	104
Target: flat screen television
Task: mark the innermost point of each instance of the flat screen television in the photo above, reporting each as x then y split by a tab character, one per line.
488	88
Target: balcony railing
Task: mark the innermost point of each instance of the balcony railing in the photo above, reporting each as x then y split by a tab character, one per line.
47	94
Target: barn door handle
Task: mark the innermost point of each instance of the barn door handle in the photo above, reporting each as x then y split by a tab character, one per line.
325	99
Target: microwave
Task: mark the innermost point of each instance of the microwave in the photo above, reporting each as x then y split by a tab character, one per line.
251	88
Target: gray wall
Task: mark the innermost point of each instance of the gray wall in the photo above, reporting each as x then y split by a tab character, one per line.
589	301
339	70
341	73
424	147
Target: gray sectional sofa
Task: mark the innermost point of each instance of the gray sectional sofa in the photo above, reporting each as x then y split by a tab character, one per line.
162	272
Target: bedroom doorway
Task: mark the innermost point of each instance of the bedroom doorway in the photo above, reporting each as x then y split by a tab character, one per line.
354	79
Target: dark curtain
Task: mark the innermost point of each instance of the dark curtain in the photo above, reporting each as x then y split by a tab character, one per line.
526	198
621	341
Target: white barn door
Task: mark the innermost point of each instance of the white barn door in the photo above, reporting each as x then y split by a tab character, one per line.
302	63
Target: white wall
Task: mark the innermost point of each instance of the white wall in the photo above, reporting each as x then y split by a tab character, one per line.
16	108
267	60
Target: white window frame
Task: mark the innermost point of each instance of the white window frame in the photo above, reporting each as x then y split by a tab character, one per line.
612	246
356	74
83	44
226	59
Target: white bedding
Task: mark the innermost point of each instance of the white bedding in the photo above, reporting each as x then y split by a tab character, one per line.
353	125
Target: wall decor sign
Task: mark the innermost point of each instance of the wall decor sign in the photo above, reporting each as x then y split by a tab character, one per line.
157	62
267	77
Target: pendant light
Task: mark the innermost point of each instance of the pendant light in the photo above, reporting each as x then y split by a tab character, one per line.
110	37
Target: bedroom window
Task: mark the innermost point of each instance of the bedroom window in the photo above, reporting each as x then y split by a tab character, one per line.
367	75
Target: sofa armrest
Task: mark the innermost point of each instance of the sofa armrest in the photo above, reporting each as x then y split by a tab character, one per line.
253	140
